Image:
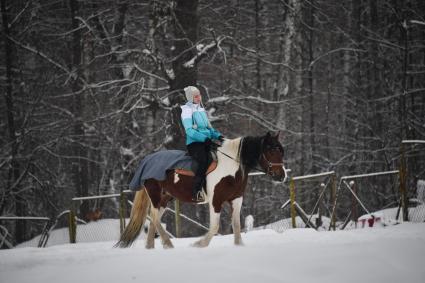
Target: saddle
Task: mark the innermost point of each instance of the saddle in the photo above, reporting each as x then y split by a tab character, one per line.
212	165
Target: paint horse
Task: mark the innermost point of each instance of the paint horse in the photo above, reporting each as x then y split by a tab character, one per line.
227	183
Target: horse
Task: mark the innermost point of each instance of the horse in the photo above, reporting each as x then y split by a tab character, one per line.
227	183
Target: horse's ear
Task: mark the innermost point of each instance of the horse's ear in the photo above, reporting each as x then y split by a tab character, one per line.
273	135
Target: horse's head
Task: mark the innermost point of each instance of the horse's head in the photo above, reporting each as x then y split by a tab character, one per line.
271	159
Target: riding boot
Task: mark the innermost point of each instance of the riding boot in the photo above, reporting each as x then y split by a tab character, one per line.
198	183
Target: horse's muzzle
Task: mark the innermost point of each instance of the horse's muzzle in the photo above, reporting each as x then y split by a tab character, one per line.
279	177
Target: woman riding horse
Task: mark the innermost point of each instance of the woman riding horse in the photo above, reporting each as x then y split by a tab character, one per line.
199	135
226	184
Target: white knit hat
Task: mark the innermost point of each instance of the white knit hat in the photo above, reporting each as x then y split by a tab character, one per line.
190	91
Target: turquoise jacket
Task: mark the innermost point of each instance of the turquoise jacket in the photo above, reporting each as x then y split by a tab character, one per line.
196	124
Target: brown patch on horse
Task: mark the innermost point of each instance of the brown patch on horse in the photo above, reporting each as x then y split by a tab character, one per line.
161	192
228	189
184	172
154	191
94	215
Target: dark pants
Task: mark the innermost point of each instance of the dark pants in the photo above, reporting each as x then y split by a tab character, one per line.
199	152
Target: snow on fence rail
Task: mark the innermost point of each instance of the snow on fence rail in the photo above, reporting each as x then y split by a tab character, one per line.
312	176
413	141
370	175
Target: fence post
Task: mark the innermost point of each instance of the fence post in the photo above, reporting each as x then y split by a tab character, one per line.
292	196
354	210
319	221
177	217
403	191
123	210
333	200
72	225
44	235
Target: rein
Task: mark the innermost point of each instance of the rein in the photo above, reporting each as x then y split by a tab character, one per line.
228	156
239	152
269	163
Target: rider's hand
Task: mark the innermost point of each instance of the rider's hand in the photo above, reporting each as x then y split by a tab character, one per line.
208	142
211	144
221	138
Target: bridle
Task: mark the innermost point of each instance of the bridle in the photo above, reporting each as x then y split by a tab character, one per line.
269	166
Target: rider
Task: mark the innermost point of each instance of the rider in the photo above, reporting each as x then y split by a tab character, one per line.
199	135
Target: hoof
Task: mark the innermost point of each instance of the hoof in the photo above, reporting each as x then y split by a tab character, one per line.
150	246
168	246
199	244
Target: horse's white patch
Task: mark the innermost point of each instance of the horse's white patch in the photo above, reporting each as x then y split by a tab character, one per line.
236	206
228	164
176	178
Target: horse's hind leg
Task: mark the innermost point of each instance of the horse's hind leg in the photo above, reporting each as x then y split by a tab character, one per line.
214	225
150	241
156	217
155	194
236	220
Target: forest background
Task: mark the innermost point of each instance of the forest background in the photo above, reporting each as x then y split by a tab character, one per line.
90	87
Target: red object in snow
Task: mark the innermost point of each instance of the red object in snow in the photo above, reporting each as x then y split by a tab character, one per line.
370	221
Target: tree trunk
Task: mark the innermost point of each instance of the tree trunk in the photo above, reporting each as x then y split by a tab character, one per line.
402	113
257	46
79	164
186	36
14	171
311	86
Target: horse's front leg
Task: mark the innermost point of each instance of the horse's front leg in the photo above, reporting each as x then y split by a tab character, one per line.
214	225
236	220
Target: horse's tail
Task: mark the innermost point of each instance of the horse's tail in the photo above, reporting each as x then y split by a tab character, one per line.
137	219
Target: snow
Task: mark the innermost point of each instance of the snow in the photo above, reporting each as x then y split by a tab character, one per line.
249	223
202	49
166	101
127	69
218	99
417	22
391	254
126	151
170	73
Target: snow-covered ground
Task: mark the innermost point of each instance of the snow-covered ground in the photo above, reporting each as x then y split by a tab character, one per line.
391	254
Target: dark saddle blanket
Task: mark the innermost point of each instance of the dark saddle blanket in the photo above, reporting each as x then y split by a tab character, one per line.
156	165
